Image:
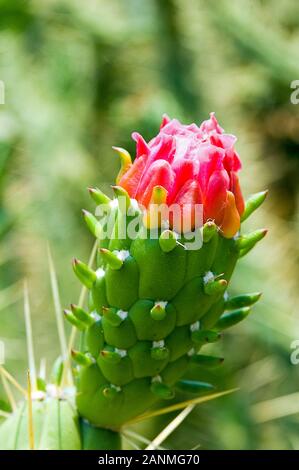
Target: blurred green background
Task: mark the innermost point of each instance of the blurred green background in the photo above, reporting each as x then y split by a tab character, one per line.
80	77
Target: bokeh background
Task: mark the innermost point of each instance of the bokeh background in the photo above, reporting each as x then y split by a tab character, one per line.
80	77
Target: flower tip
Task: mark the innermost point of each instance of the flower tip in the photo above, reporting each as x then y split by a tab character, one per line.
159	195
165	120
135	136
210	223
119	190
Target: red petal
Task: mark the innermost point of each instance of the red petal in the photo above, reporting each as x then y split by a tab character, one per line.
158	174
190	193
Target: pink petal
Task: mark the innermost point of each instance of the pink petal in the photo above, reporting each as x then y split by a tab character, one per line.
211	125
210	160
163	149
184	170
142	147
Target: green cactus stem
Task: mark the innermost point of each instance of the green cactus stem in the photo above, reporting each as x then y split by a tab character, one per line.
153	305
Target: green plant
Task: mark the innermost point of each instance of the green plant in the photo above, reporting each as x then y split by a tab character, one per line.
155	298
153	302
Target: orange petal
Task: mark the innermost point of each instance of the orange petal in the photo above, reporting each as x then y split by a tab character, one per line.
129	181
231	220
236	189
216	196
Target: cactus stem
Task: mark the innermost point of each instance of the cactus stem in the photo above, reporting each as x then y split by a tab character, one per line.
208	230
158	312
252	203
195	326
205	336
159	352
73	320
232	318
161	390
215	287
82	315
84	273
92	223
110	391
209	362
112	316
168	240
247	242
81	359
240	301
112	259
98	196
114	357
124	200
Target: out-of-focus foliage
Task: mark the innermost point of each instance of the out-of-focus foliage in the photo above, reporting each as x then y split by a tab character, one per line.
79	77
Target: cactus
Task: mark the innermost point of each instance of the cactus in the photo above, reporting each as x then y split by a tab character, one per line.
54	421
158	294
154	300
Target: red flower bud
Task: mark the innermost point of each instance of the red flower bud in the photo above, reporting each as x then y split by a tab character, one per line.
195	165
